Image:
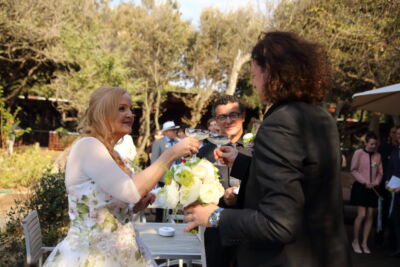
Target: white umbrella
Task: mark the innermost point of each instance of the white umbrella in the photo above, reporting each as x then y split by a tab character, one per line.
385	100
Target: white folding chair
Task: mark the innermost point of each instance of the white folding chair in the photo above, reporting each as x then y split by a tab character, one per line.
33	239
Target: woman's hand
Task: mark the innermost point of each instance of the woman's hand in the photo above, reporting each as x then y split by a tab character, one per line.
144	202
197	215
185	147
230	197
226	155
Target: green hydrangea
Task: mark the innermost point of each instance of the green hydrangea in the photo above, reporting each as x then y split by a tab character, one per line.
168	177
185	178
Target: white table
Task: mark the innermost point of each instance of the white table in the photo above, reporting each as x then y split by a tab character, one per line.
180	246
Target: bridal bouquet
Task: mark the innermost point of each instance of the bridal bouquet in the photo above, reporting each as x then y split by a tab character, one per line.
196	180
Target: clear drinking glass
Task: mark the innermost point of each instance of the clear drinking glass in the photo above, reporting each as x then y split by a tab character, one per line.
218	140
198	134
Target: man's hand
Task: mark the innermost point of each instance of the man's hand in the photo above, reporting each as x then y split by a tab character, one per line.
197	215
226	155
230	197
369	186
144	202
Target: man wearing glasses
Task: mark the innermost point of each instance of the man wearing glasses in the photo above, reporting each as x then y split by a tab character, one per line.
229	113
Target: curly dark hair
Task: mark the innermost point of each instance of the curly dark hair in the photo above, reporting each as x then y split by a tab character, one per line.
224	100
297	69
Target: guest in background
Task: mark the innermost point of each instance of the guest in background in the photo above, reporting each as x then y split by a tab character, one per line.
158	135
229	114
169	139
366	168
394	170
212	126
181	133
385	149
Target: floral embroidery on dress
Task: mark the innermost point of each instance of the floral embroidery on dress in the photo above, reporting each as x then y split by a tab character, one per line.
100	233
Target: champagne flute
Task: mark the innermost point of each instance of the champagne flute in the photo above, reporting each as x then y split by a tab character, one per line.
198	134
218	140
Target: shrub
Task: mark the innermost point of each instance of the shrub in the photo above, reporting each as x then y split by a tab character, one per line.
49	198
23	168
68	139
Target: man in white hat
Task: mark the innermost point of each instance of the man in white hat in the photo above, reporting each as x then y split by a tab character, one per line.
169	130
169	139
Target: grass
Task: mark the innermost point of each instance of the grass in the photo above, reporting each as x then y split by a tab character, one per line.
24	167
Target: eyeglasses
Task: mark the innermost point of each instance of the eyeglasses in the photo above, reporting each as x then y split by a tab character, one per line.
233	116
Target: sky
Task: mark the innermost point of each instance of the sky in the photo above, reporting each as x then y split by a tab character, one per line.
191	9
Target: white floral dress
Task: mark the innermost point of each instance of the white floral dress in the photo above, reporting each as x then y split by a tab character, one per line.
100	233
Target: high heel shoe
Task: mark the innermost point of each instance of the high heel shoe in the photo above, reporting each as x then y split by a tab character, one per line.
366	250
356	247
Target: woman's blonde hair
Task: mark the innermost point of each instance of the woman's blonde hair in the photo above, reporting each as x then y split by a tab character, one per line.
98	117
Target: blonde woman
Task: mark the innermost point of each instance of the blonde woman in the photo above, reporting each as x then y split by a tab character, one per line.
100	188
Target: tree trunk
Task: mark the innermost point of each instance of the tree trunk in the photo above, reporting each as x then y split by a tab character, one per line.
237	65
339	105
374	123
144	130
157	105
203	98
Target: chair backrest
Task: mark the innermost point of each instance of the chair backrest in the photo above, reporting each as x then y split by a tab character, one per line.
33	237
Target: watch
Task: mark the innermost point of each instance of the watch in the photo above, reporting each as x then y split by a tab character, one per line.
213	220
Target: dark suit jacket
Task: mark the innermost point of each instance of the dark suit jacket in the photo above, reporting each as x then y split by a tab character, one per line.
216	254
394	163
292	214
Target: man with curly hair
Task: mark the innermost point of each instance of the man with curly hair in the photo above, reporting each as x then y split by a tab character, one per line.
292	214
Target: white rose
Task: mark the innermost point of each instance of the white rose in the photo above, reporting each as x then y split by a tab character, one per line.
189	194
168	196
211	193
247	137
204	170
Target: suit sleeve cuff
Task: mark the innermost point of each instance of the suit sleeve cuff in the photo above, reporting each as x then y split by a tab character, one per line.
228	234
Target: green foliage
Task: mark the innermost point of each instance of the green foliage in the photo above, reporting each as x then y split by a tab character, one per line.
66	138
49	198
23	168
61	131
29	33
87	40
361	36
9	122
